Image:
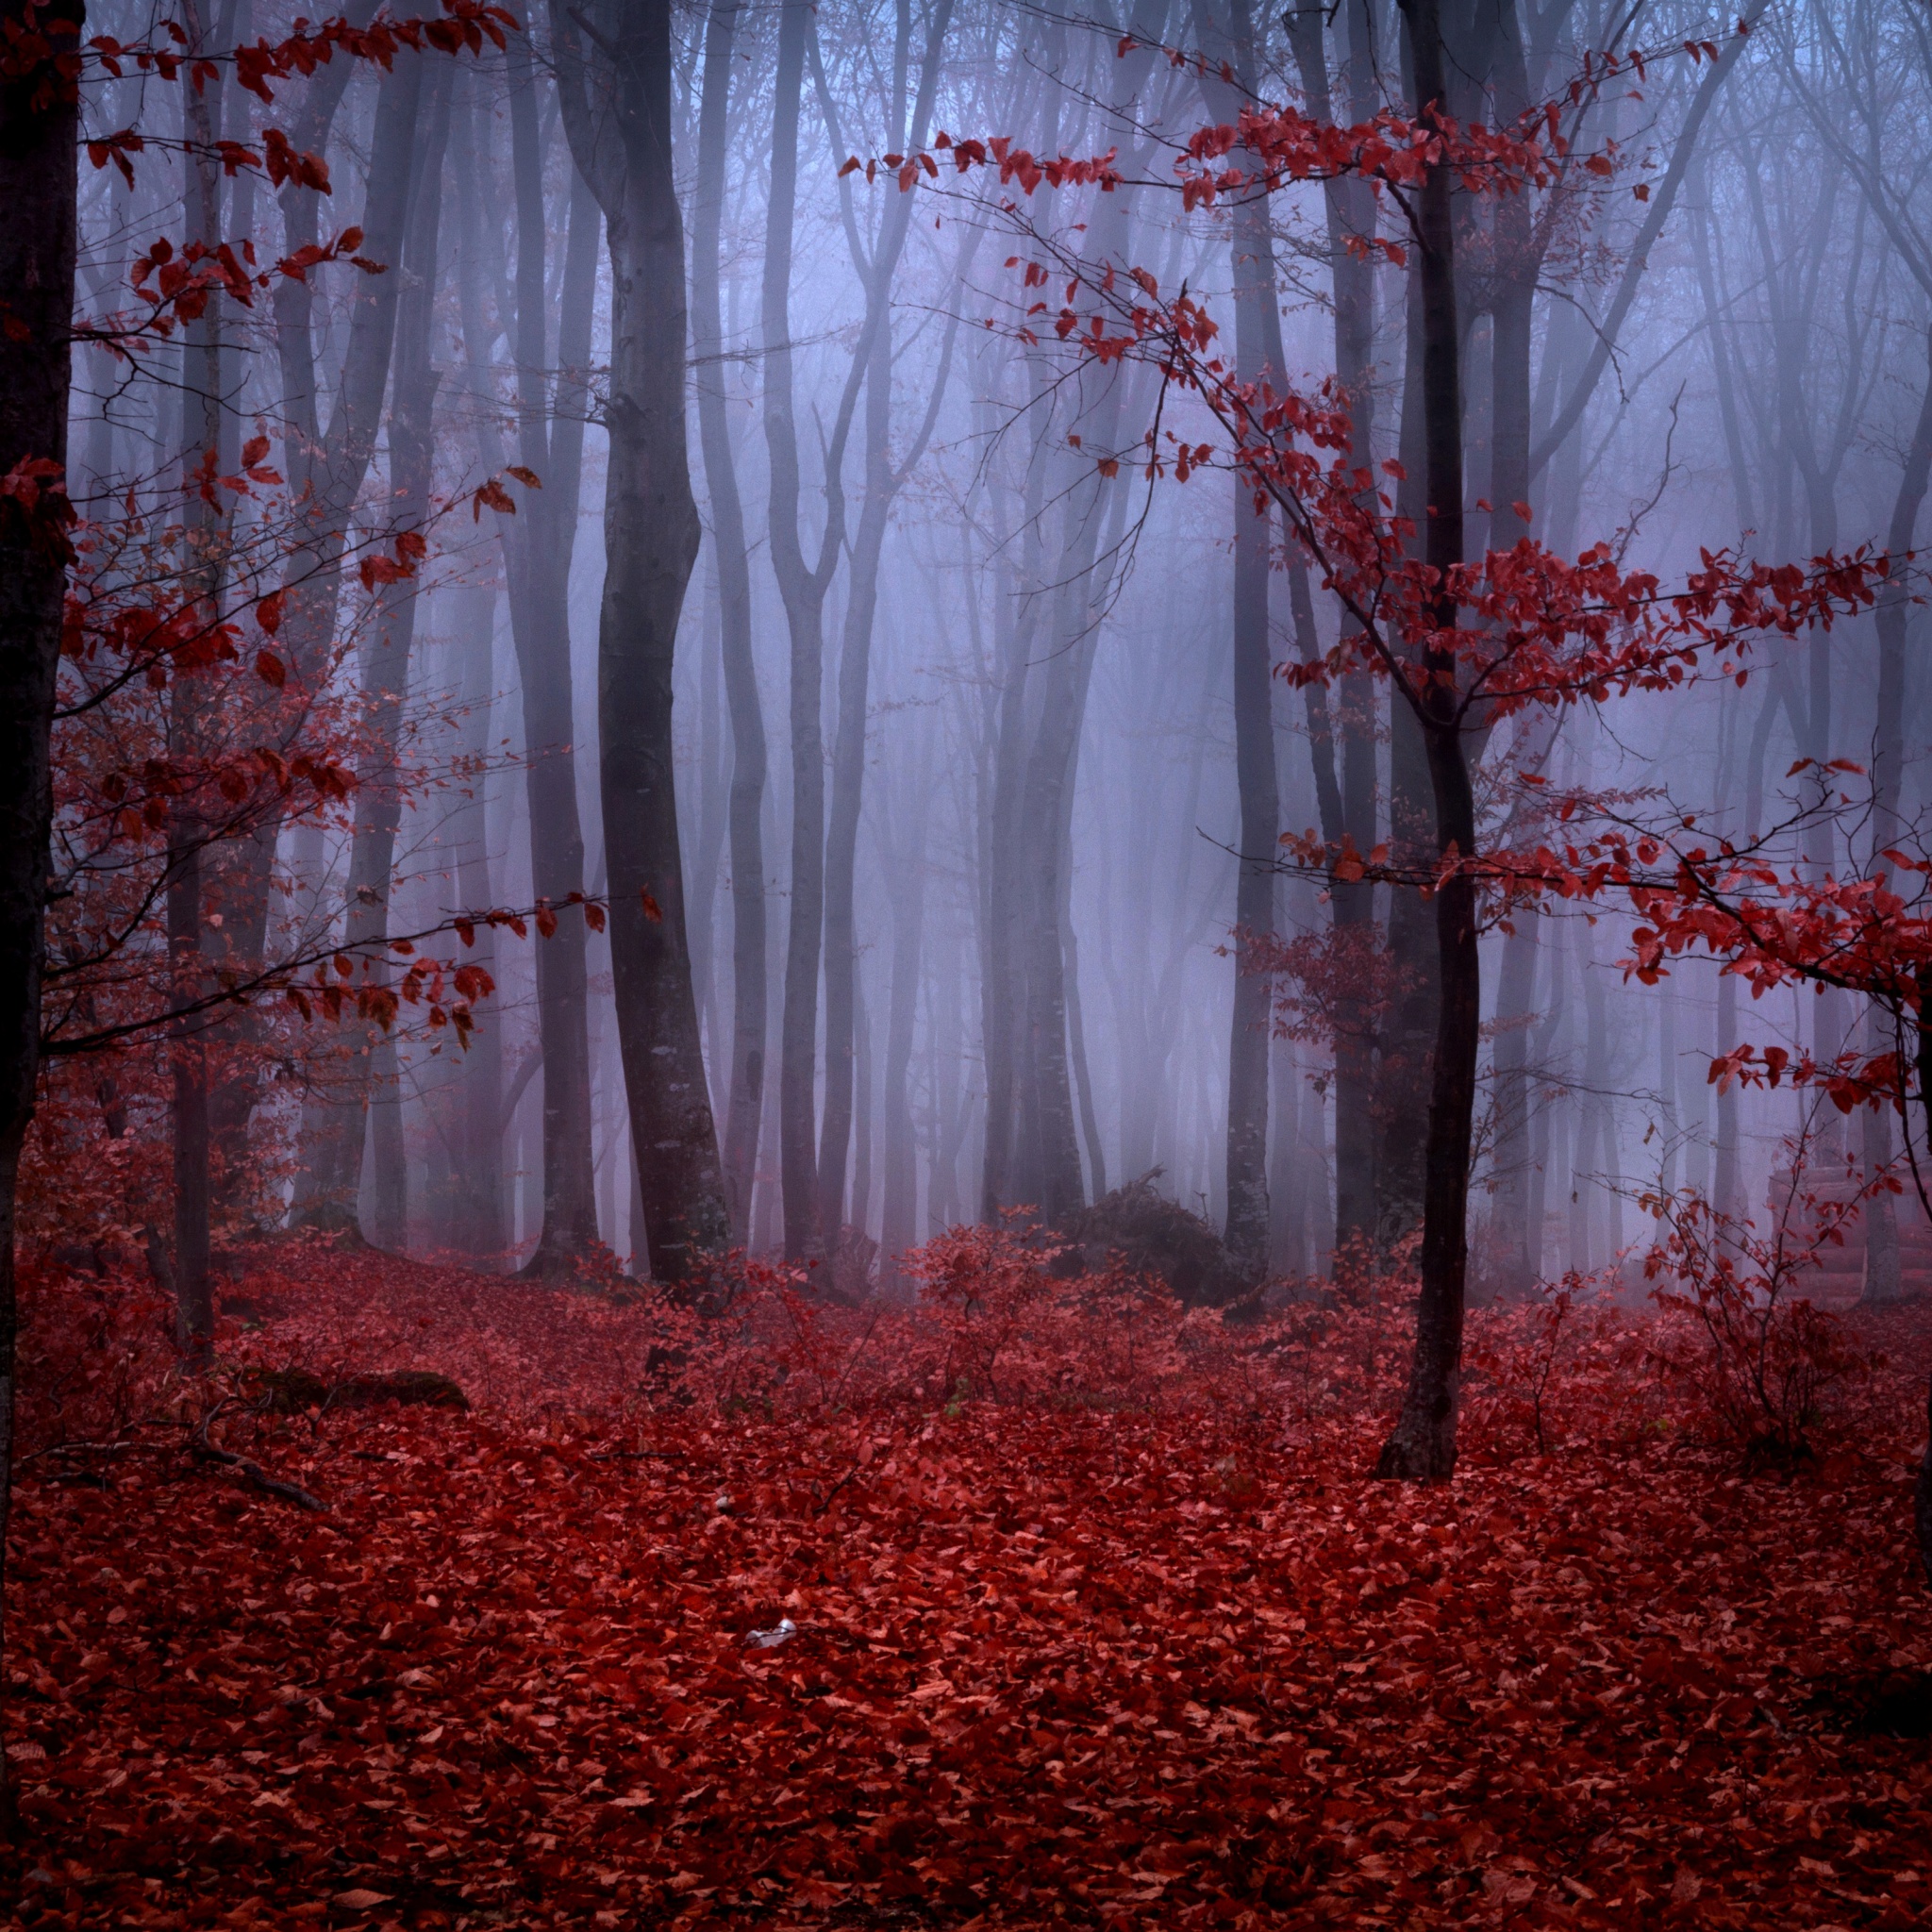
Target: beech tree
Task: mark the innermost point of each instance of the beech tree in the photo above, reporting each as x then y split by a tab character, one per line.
616	96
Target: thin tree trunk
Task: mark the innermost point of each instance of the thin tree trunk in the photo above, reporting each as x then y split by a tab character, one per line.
338	1160
1510	1163
1422	1447
897	1226
803	592
750	1021
1351	214
205	529
1882	1281
550	442
1258	782
651	538
848	776
333	1129
479	1140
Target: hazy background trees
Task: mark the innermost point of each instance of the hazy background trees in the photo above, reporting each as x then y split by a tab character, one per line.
976	764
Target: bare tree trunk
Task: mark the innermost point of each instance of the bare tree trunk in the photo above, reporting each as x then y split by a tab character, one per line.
1423	1444
803	588
1258	782
750	1022
479	1136
848	777
204	530
1510	1164
550	441
1351	213
621	136
39	234
385	686
1882	1282
897	1230
333	1130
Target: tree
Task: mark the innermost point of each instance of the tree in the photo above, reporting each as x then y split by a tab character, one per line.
1463	646
39	144
617	114
750	1021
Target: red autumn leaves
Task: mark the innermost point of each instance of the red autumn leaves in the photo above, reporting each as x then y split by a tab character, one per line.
1052	1664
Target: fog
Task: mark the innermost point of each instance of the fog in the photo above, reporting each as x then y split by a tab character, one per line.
971	940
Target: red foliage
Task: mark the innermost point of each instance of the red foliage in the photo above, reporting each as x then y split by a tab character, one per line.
1154	1656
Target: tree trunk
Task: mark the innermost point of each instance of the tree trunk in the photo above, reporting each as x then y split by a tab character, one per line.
1423	1444
1258	782
750	1022
897	1229
622	141
1510	1167
332	1129
803	592
1351	213
848	777
39	144
337	1163
544	535
204	532
1882	1282
479	1136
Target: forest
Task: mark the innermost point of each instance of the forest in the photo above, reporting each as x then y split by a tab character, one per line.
965	964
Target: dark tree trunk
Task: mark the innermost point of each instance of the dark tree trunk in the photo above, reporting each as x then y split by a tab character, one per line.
543	538
1258	782
801	588
619	121
750	1022
39	144
1423	1444
1512	307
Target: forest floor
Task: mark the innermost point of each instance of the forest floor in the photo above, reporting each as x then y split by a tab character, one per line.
1048	1665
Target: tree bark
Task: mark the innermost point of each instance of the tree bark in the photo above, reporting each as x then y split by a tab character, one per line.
897	1223
1422	1447
543	536
1257	779
332	1129
750	1015
1509	1243
1882	1280
618	118
38	232
479	1138
337	1168
1350	209
802	588
204	533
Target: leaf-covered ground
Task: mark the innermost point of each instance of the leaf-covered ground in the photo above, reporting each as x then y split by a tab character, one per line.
1050	1666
